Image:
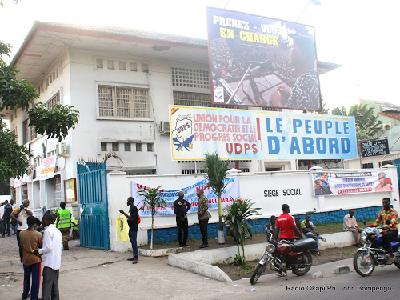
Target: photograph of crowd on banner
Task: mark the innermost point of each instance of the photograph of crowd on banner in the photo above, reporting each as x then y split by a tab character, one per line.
230	192
335	183
249	134
259	61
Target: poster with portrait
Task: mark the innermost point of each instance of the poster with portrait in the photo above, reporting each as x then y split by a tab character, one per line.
259	61
343	183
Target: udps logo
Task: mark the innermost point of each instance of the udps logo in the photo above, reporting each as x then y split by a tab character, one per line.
182	134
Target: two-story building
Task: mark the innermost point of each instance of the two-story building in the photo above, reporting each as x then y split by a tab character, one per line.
122	82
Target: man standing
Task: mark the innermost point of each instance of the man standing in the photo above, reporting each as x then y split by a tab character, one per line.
181	207
350	224
388	219
63	223
14	224
2	227
133	222
6	218
30	241
51	251
203	215
20	215
285	225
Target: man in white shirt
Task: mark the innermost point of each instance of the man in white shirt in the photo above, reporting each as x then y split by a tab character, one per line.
51	251
350	224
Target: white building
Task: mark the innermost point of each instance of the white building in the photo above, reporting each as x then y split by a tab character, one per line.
122	83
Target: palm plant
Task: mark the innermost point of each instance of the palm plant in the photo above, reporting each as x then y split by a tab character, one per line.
216	174
237	214
153	200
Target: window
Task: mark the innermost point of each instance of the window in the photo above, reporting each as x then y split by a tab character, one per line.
138	147
103	146
32	133
115	146
123	102
190	78
133	66
53	101
110	64
191	99
127	146
25	132
150	147
122	65
145	68
99	63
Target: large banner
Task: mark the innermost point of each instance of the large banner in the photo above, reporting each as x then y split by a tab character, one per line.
231	192
258	61
334	183
247	134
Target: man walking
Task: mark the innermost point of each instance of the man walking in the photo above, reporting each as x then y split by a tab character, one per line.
203	215
51	254
350	224
285	225
63	223
20	215
30	241
133	222
181	207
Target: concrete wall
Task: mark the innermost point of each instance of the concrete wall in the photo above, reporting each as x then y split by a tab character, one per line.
252	186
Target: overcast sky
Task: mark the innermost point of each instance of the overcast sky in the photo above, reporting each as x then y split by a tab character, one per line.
360	35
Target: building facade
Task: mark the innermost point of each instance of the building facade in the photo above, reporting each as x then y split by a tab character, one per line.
122	82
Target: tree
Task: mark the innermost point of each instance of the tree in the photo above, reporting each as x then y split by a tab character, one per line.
20	94
152	198
367	124
13	157
237	214
216	174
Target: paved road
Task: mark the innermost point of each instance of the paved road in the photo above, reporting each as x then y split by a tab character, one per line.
91	274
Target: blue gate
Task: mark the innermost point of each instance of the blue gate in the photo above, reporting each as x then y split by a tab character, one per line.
92	189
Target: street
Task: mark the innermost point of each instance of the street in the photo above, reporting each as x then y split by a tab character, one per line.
96	274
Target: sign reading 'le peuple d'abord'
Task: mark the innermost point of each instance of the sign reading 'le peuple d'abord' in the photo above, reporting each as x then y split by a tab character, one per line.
243	134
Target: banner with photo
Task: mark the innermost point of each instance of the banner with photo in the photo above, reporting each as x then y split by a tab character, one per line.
259	61
251	134
231	192
339	183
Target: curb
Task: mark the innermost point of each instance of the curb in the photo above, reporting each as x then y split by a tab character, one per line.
158	252
204	269
200	261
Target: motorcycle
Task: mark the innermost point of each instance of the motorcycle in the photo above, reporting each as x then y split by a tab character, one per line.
372	254
284	255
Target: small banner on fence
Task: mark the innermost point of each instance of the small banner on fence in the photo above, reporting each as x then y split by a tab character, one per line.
231	192
332	183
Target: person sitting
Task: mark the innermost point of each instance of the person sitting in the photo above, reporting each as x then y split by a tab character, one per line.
388	219
350	224
308	229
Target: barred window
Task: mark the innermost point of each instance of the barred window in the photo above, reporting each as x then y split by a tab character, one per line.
53	101
123	102
192	78
191	99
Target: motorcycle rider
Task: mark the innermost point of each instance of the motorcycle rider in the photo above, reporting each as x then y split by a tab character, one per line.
388	219
285	226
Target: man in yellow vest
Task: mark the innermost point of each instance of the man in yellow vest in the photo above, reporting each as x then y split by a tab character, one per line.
63	223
